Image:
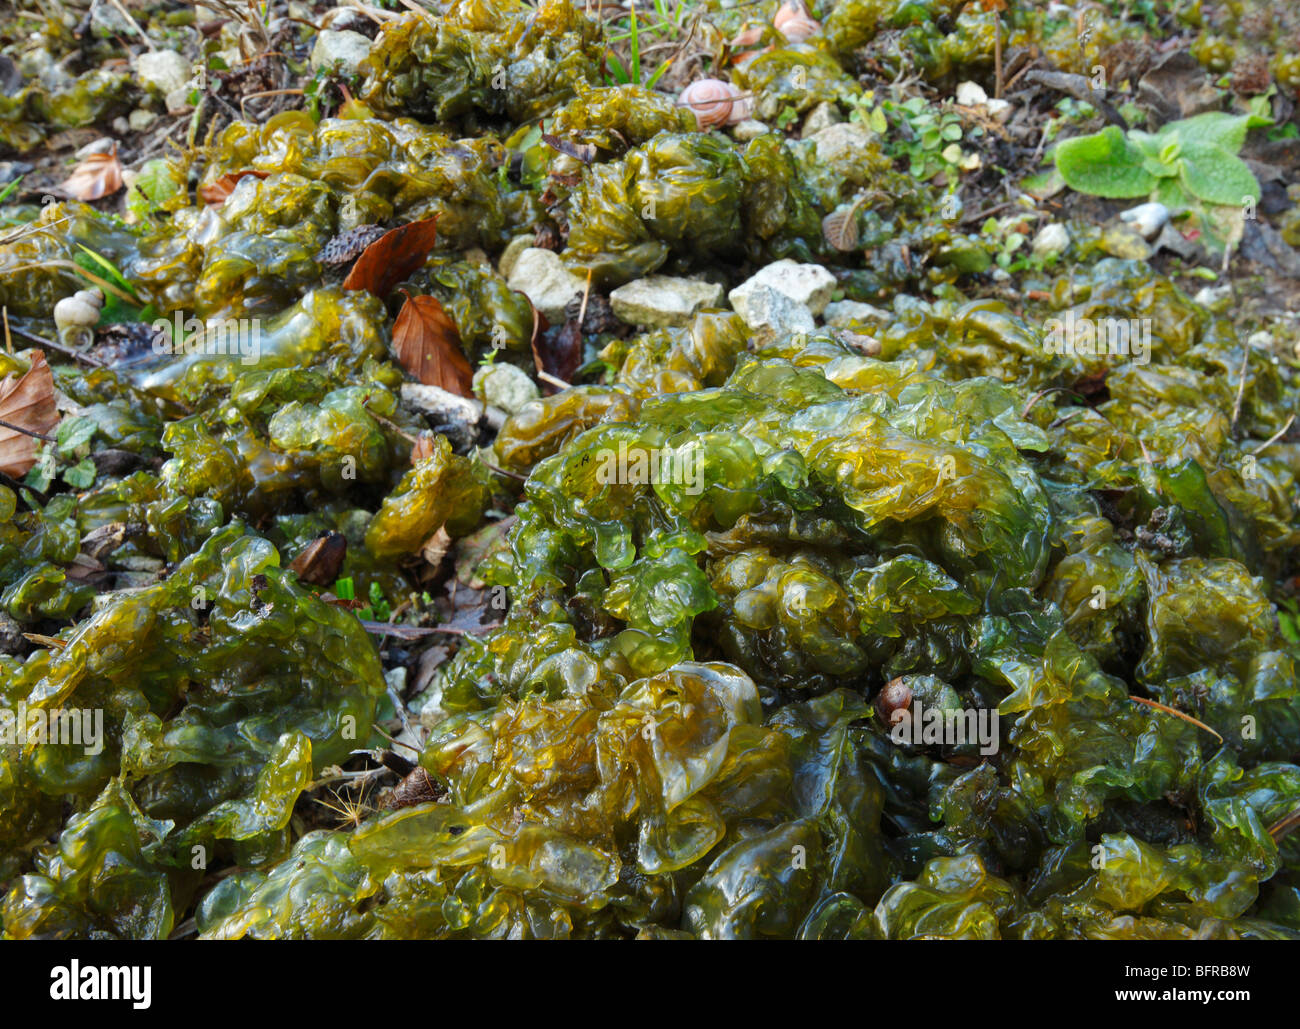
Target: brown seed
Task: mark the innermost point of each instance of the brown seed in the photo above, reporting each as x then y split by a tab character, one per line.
896	696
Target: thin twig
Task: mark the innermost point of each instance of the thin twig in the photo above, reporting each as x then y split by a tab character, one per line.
1284	825
26	432
134	24
554	381
1241	391
1176	713
1275	437
502	471
60	348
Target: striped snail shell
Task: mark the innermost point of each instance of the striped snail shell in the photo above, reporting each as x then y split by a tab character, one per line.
712	100
796	24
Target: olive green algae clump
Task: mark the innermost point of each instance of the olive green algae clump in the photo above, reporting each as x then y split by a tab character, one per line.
737	558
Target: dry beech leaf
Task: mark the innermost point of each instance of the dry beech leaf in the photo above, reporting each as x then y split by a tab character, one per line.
392	257
559	354
422	448
584	152
427	345
321	560
27	402
99	175
841	229
218	190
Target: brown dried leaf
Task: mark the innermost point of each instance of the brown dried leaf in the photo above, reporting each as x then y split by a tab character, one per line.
419	787
27	402
218	190
321	560
422	448
584	152
427	345
99	175
559	354
841	228
392	257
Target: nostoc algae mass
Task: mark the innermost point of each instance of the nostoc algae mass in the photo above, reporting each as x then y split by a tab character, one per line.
811	556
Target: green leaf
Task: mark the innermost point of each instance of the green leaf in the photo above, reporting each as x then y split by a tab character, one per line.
156	185
1214	128
10	189
1104	164
73	433
1171	193
1216	176
81	475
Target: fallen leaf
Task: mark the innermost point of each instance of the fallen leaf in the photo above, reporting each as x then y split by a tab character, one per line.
584	152
321	560
99	175
27	402
392	257
215	192
427	345
419	787
841	229
435	547
559	354
422	448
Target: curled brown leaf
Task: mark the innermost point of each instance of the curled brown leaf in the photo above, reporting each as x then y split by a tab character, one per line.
427	344
27	402
392	257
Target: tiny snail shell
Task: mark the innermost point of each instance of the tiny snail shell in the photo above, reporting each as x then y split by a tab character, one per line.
793	22
79	310
711	100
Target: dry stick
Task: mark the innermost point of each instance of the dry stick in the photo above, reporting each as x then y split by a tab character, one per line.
9	340
502	471
1284	824
134	24
1176	713
267	92
582	311
1275	437
554	381
60	348
997	55
26	432
1241	390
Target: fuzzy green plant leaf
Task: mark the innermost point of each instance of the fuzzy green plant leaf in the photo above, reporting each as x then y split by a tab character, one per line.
1216	176
1104	164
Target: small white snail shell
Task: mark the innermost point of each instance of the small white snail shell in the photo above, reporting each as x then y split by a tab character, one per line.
80	309
714	102
796	24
